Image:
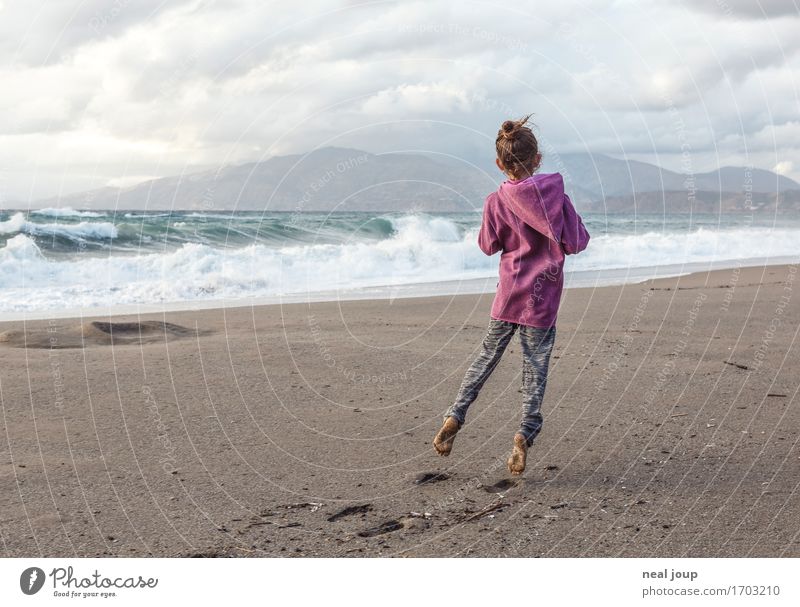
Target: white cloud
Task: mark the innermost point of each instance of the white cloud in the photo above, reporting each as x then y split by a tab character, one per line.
418	99
99	92
746	9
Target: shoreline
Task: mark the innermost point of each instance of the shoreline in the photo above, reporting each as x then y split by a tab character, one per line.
477	286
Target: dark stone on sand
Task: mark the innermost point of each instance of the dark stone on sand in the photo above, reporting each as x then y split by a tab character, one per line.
96	333
135	329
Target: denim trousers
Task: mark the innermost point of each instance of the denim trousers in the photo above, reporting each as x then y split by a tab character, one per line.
537	345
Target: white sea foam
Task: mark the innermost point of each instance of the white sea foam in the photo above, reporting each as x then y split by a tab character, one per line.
229	216
85	229
422	249
65	212
651	249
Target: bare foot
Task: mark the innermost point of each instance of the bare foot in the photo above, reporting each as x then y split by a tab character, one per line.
516	463
443	441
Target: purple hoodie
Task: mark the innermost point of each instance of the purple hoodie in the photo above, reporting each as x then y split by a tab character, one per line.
533	222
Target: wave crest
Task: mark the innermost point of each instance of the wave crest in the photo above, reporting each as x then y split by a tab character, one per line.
18	224
65	212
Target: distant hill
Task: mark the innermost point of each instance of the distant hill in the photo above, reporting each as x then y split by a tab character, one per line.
342	179
699	202
328	179
597	176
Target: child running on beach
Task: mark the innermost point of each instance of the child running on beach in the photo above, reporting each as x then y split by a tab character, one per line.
533	222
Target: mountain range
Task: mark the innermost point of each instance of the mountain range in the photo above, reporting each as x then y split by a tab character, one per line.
342	179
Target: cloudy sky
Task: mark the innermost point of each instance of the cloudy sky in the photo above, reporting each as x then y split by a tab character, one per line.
114	92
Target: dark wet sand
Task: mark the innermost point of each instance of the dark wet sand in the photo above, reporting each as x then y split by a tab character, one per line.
672	421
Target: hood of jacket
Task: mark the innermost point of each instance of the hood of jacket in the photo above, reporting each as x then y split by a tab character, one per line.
537	201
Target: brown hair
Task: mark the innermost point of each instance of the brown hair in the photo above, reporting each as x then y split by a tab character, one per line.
517	148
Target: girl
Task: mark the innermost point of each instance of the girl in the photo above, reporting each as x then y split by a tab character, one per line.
532	221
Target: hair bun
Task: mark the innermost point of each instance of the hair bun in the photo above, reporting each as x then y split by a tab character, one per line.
517	148
509	127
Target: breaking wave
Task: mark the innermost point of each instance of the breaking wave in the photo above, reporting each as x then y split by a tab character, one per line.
178	258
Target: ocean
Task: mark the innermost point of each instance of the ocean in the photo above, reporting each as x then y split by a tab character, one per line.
57	262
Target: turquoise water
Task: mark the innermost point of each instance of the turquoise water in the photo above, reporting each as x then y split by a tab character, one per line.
61	258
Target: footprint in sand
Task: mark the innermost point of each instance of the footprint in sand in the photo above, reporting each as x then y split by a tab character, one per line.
386	527
350	511
502	485
428	478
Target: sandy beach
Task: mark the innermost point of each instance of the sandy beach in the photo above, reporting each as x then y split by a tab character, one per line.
671	429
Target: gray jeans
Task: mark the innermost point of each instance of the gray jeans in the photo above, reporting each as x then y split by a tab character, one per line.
537	345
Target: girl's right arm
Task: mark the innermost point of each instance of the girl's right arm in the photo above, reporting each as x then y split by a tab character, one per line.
487	237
